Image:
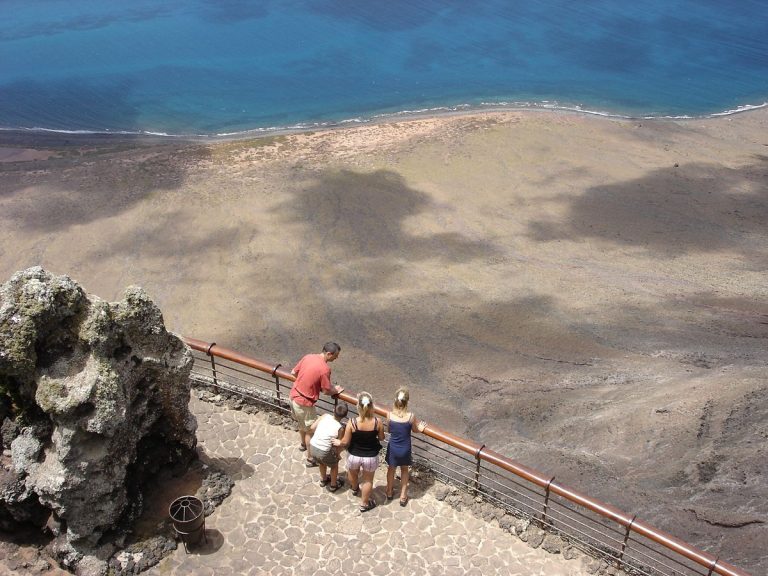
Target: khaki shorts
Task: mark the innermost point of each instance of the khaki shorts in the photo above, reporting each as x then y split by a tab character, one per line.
304	415
327	457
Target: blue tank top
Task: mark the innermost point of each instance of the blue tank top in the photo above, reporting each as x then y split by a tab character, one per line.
399	448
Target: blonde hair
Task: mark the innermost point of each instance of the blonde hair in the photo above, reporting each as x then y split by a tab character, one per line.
400	408
365	405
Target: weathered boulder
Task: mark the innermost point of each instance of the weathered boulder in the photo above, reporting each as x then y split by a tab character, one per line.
99	393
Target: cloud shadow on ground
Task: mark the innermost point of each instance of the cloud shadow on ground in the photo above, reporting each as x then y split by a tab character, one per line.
363	215
87	188
672	211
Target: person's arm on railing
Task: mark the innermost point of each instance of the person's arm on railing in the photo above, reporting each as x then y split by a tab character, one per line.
328	388
420	424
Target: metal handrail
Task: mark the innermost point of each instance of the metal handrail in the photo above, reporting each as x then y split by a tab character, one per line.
480	452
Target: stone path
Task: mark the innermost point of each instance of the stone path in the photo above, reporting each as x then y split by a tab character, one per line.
278	520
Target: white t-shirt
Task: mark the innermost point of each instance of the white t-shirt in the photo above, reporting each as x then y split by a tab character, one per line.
326	431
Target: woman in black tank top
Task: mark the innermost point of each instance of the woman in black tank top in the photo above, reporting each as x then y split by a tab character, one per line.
362	438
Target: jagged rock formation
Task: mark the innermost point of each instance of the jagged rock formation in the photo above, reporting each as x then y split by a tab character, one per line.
94	397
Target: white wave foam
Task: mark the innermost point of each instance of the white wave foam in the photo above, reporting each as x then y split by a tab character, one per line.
739	109
88	132
406	113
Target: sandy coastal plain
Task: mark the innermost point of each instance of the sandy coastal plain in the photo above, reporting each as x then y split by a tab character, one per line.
586	295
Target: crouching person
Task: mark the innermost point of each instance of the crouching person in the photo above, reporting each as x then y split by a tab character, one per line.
325	430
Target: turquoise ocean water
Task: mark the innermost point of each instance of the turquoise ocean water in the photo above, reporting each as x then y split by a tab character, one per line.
226	66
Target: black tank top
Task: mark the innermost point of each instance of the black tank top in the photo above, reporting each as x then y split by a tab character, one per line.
365	443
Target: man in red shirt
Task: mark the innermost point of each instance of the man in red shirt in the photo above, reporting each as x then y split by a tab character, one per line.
313	375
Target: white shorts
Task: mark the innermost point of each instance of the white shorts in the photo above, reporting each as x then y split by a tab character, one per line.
367	463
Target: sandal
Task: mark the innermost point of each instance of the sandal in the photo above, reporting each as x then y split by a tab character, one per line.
325	481
356	491
390	496
370	506
302	447
403	501
334	487
310	463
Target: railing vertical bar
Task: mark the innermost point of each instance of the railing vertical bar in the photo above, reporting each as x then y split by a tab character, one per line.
546	500
213	365
477	469
619	560
277	380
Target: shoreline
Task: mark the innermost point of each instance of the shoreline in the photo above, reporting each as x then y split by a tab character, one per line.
54	137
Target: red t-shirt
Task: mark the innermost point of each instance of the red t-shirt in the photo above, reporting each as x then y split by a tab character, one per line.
313	374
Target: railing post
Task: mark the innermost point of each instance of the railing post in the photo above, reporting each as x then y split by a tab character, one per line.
546	500
477	469
619	560
277	380
213	367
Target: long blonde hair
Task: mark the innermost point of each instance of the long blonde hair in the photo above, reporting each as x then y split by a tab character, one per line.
365	405
400	408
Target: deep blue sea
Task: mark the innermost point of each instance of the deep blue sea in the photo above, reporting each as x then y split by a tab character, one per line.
224	66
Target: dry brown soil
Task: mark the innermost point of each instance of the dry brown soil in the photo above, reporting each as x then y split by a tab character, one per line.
585	295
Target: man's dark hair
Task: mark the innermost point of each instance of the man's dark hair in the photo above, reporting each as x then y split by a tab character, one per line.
332	348
341	410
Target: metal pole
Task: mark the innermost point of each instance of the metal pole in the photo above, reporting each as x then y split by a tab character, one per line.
477	469
619	560
213	367
277	380
546	499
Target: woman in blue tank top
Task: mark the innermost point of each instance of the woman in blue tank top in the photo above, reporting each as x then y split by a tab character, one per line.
399	447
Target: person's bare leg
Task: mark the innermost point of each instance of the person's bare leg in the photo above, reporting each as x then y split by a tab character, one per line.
338	464
335	475
307	438
323	469
390	481
405	474
353	479
366	487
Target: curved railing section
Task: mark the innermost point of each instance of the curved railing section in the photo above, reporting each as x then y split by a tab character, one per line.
622	539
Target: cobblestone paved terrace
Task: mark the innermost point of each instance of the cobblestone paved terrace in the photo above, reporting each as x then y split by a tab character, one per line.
278	520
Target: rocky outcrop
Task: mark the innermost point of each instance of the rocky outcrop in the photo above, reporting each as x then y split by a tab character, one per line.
95	397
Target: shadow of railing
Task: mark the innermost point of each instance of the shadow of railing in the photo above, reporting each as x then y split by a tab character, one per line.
594	526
